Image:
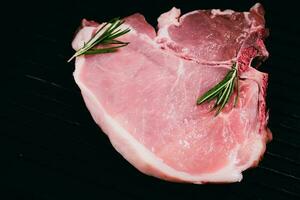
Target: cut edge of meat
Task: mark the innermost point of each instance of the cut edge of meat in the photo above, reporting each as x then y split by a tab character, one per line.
257	33
144	160
83	35
138	23
261	79
165	20
253	46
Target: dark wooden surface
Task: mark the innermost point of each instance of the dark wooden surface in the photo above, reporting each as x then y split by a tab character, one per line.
52	149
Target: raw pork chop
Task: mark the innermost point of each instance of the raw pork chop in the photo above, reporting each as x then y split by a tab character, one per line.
144	95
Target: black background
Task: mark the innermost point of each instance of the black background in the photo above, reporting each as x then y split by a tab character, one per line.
52	149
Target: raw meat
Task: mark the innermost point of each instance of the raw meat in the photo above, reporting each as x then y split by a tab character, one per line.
144	95
213	36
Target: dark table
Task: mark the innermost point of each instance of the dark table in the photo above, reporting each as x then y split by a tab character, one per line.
52	149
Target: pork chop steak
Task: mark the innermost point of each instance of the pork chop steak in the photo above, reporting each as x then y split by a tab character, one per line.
144	95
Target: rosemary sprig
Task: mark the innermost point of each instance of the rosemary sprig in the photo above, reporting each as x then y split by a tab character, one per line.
222	91
107	34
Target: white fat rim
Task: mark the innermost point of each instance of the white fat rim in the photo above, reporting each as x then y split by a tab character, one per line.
228	173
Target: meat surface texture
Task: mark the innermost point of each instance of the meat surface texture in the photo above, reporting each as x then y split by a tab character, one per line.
144	95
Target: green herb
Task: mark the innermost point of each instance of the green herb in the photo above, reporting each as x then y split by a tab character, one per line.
107	34
222	91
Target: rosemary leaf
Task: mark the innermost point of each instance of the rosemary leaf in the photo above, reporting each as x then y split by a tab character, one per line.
222	91
107	34
228	94
215	90
104	50
237	91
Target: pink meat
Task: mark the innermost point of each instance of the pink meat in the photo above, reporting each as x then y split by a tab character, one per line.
212	36
144	95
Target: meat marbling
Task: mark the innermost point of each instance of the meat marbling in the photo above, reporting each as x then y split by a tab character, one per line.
144	95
